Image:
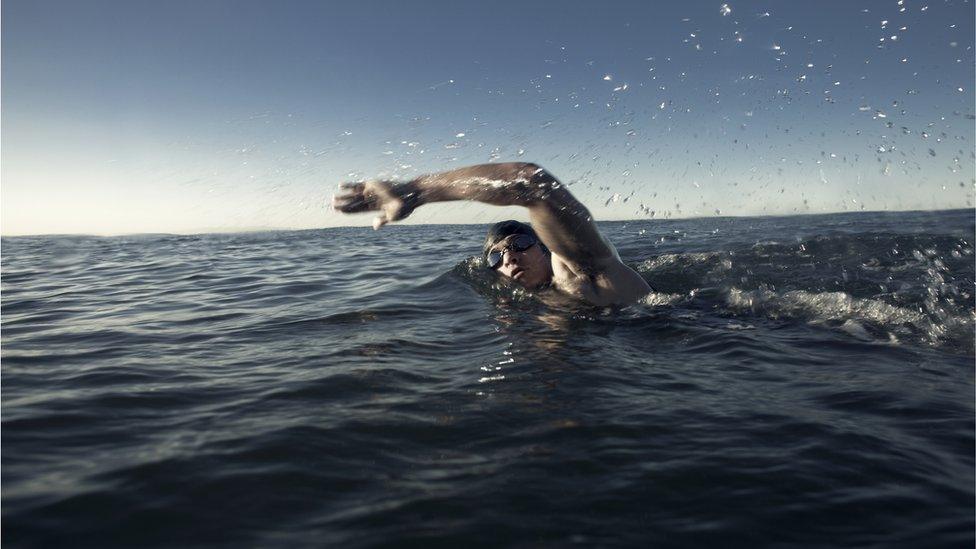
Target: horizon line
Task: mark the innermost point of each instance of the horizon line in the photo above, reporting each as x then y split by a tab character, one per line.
252	230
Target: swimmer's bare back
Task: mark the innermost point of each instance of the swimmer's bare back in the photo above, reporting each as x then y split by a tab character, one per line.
584	263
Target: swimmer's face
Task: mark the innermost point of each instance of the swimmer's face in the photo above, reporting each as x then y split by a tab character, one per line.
530	267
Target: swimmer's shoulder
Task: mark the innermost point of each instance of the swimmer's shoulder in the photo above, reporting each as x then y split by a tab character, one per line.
614	283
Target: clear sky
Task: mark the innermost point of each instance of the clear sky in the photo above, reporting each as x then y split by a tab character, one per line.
138	116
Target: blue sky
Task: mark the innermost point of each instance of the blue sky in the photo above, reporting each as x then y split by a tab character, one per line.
123	117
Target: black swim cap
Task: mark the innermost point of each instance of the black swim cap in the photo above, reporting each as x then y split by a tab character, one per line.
504	229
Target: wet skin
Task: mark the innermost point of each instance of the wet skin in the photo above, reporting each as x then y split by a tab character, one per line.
580	262
530	268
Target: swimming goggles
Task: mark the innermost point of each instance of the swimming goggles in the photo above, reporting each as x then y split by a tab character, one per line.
520	243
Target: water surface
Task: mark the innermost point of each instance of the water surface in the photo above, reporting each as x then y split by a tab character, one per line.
791	380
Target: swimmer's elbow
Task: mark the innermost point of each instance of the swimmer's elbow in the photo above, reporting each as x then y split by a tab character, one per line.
534	173
535	185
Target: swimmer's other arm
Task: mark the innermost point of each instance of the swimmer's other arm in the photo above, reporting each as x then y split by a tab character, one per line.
561	221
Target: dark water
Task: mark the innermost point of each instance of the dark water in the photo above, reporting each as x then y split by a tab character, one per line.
794	381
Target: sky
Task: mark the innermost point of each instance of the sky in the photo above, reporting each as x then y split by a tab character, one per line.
226	115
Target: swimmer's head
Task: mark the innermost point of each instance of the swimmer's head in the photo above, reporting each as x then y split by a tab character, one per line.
514	250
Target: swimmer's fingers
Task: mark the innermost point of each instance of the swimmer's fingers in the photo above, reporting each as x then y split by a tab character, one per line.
352	204
350	191
354	198
385	197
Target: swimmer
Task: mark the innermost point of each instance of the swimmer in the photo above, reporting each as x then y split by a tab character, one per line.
561	249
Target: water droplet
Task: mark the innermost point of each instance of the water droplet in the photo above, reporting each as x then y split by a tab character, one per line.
460	135
607	77
931	152
725	9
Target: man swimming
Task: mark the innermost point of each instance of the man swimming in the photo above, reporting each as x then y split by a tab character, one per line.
562	248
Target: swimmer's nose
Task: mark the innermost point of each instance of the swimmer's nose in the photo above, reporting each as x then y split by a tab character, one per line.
509	257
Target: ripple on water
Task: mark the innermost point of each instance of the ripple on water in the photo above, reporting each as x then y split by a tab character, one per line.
334	395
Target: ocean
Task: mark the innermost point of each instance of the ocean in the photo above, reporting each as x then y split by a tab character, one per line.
792	381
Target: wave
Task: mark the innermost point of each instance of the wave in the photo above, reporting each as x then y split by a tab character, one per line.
873	286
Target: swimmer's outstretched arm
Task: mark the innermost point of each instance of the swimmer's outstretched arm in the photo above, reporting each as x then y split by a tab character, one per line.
561	221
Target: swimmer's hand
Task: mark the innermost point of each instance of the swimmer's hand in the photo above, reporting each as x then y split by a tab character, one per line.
393	201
